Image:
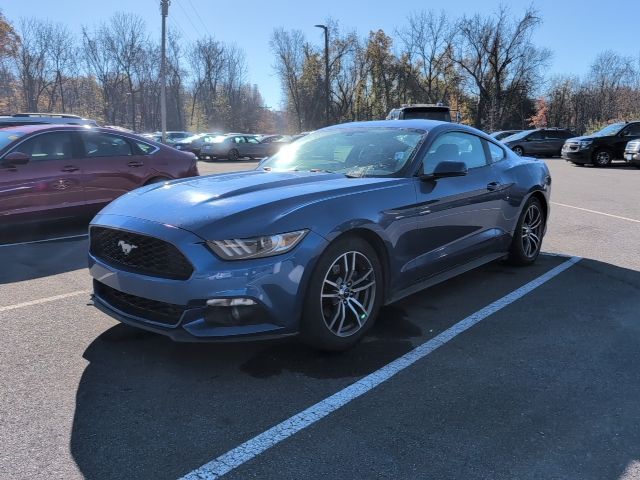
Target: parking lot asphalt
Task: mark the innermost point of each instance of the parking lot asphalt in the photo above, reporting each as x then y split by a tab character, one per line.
545	387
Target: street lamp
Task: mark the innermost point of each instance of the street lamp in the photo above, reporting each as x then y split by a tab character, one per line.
326	71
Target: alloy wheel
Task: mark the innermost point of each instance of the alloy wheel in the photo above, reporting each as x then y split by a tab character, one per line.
532	231
518	151
603	158
348	294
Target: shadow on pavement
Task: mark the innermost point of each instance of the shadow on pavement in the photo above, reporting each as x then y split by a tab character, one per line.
150	408
42	258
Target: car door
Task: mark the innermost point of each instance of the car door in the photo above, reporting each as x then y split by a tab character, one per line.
551	143
112	166
254	148
457	216
49	185
630	132
535	143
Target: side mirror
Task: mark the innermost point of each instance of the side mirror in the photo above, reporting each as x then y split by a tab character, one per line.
15	158
447	169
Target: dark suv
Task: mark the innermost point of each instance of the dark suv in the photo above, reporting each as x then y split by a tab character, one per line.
421	111
602	147
545	142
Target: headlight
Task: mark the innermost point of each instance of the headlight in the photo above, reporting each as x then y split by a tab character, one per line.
258	247
585	144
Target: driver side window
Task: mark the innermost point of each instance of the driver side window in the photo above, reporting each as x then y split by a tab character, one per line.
632	130
455	147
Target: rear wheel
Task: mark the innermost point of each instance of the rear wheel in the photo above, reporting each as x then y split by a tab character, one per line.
518	151
344	295
527	238
233	155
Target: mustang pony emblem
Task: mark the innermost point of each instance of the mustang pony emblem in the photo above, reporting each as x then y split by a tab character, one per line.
126	247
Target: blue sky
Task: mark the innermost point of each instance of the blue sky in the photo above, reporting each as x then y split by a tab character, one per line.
575	31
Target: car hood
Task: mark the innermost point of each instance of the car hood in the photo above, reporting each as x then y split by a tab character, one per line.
249	203
578	139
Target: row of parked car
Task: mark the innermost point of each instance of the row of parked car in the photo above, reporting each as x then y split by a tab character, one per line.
618	141
230	146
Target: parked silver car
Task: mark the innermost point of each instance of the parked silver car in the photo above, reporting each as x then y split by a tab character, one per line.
234	147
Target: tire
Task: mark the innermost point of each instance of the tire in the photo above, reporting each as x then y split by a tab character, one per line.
518	150
157	180
602	158
335	316
524	249
233	155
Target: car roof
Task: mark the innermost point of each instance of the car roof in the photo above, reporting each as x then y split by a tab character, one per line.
27	129
420	124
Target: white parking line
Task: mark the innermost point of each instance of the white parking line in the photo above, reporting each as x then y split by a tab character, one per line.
44	240
254	447
44	300
595	211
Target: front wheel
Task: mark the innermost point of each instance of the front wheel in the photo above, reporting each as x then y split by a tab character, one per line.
344	295
527	238
602	158
518	151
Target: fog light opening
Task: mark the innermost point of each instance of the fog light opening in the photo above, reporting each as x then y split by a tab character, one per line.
229	312
230	302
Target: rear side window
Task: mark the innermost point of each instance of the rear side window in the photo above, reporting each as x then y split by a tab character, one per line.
145	147
48	146
105	145
496	152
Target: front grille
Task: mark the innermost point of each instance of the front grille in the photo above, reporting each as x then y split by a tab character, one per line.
159	312
633	146
139	253
571	147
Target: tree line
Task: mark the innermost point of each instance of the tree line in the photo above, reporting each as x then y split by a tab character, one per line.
111	73
485	66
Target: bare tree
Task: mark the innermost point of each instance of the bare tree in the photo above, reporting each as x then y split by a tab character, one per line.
31	61
288	48
497	55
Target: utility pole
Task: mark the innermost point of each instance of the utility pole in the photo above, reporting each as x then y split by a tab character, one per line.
327	93
164	11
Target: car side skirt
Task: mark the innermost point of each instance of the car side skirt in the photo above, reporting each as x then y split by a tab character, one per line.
443	277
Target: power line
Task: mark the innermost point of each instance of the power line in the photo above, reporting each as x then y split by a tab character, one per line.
199	17
189	19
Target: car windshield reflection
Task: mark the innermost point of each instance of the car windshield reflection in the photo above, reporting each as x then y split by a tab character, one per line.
371	152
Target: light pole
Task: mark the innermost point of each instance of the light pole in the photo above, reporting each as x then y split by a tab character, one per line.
164	11
326	72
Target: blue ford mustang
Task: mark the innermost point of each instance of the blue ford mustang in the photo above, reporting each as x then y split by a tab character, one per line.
320	236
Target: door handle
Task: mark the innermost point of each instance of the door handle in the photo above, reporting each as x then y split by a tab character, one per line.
136	164
70	168
492	186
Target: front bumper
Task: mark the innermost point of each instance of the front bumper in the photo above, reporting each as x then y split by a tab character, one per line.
276	284
632	157
579	156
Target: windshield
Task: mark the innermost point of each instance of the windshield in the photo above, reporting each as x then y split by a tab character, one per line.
358	152
218	139
609	130
7	137
518	136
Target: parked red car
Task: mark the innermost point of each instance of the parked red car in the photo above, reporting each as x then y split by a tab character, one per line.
60	171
